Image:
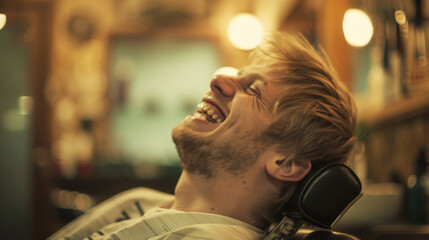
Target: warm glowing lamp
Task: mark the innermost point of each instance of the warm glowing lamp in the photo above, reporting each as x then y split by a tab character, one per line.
357	27
230	71
245	31
2	20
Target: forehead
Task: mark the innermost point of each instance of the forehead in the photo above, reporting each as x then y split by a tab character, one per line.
253	69
267	71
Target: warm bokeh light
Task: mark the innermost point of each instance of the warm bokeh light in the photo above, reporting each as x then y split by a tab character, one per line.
411	181
230	71
82	202
245	31
400	17
71	200
25	105
2	20
357	27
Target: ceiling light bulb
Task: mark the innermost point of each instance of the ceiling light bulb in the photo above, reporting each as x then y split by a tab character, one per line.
357	27
2	20
245	31
229	71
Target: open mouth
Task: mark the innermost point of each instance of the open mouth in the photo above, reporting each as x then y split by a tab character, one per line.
209	112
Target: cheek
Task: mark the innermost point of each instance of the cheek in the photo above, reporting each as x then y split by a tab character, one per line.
246	125
245	110
242	104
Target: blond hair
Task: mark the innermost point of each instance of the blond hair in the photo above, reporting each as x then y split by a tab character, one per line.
315	115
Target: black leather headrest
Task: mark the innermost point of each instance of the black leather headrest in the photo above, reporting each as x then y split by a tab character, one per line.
324	195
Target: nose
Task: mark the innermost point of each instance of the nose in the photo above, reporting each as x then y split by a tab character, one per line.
223	85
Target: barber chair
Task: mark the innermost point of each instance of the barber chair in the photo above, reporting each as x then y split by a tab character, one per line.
319	201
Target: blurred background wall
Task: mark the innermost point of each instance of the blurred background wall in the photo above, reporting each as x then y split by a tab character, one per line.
89	92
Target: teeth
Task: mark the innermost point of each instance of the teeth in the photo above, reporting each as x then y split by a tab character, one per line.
204	108
202	117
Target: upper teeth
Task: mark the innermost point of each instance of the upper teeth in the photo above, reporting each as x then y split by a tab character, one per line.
209	111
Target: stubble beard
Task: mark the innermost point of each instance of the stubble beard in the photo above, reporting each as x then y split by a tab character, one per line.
209	157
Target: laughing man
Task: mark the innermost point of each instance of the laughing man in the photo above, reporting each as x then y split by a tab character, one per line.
249	142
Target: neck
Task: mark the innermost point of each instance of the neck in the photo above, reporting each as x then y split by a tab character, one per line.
235	196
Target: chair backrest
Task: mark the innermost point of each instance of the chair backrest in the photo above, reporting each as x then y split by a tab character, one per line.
320	200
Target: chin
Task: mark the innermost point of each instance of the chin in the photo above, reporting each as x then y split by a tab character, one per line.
177	132
183	135
192	150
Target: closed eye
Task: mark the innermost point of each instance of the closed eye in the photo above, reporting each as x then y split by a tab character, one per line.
256	101
255	92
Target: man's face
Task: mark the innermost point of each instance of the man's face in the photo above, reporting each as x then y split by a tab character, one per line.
224	132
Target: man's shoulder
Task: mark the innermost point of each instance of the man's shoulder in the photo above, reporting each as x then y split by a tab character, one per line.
211	231
133	200
125	205
143	194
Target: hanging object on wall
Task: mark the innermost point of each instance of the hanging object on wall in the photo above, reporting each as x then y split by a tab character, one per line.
81	27
162	13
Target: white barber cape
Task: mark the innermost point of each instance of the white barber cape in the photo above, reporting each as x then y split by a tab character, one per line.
143	213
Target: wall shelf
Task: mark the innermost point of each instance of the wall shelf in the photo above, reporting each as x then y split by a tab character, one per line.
403	110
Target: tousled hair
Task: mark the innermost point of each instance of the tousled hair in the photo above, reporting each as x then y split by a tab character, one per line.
315	116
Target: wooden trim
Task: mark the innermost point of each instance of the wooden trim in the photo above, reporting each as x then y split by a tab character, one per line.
400	111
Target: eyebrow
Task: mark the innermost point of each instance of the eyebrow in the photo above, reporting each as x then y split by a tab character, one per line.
251	77
254	76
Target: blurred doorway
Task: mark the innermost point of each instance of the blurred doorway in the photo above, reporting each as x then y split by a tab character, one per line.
24	120
15	172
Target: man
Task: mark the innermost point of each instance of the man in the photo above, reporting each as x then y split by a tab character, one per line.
251	139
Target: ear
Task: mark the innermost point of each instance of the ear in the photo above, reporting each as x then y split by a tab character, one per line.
288	170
